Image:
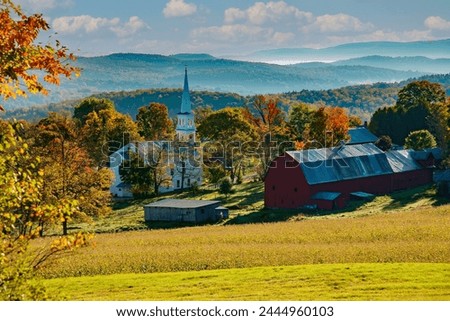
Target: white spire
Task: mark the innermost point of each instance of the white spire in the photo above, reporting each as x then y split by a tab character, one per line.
186	98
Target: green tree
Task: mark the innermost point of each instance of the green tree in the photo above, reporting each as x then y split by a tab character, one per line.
421	105
226	186
215	174
138	174
417	92
90	105
234	137
420	139
154	122
384	143
300	118
146	169
105	130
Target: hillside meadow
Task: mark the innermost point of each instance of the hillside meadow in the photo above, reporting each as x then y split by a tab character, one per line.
395	247
420	235
367	281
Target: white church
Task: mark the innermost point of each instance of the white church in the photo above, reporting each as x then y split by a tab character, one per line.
183	166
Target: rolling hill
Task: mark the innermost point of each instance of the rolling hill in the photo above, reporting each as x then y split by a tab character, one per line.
126	72
430	49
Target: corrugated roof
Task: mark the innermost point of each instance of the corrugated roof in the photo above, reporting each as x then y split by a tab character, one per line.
361	135
181	203
426	153
327	196
402	161
350	162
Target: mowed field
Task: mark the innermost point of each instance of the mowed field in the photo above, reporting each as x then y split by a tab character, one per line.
399	255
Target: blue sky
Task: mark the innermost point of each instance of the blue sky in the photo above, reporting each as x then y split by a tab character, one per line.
230	27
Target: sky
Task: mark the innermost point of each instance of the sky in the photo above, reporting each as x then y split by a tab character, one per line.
235	27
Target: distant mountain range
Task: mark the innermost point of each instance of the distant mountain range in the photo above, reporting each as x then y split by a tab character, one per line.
361	63
429	49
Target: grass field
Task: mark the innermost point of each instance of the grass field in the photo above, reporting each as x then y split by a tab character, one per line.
420	235
395	247
379	281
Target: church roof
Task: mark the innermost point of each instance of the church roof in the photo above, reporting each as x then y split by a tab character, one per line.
186	98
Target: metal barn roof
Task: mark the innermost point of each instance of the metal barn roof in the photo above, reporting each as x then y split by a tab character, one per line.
361	135
350	162
181	203
327	196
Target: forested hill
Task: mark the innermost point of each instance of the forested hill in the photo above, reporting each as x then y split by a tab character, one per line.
128	72
361	100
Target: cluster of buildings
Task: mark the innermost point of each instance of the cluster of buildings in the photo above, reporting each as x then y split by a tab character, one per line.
325	178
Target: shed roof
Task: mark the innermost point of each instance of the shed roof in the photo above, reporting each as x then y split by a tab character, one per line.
327	196
361	135
350	162
181	203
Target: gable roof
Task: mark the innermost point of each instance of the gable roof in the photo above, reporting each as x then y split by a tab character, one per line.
182	203
361	135
350	162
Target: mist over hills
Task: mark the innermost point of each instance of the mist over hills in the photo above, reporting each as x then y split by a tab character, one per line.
429	49
125	72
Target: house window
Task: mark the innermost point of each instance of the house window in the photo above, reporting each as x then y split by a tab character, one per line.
189	182
273	187
202	211
178	183
296	189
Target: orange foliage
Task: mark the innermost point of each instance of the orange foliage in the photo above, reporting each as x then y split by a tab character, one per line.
20	57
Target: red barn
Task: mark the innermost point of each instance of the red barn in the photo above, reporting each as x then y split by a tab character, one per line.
326	177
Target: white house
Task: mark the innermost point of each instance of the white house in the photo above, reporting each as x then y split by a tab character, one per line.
182	166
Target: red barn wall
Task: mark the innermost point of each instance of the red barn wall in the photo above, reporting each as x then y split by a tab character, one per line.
286	186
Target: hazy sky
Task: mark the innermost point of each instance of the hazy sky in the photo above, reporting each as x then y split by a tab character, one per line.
96	27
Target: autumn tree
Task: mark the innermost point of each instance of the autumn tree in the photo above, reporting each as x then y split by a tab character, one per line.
154	122
274	133
23	211
69	173
104	130
329	126
22	205
20	56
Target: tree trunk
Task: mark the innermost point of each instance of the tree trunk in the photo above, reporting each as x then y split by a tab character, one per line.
65	226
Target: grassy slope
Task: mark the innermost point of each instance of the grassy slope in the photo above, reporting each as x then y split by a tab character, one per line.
247	206
290	283
233	260
410	236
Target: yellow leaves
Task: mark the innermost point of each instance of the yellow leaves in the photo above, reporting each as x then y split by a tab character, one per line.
71	242
19	55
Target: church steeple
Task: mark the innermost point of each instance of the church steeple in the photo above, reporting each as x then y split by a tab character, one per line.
186	98
186	123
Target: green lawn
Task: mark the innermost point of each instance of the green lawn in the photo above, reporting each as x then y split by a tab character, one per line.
369	281
247	206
